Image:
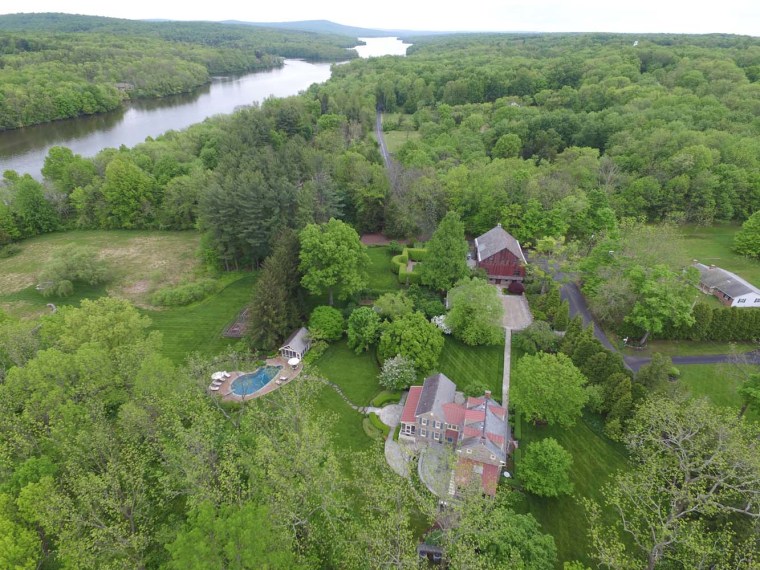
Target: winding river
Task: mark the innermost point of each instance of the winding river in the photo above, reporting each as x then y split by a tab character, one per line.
24	150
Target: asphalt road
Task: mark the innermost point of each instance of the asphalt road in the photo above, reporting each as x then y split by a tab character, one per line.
578	305
381	139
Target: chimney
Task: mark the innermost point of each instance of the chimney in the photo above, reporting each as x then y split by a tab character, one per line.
488	394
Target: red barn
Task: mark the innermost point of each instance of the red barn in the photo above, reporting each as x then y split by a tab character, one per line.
501	256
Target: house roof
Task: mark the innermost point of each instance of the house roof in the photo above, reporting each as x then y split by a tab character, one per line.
496	240
725	281
437	390
409	414
490	478
298	341
453	413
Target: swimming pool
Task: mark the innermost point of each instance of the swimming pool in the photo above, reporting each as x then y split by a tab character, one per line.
253	381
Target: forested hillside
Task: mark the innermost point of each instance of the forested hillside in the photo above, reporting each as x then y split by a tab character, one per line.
56	66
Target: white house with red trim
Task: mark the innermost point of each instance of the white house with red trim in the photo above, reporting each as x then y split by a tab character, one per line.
477	428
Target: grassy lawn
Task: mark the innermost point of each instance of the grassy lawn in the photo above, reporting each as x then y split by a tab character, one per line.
463	364
595	459
140	261
688	348
712	245
356	374
394	140
379	270
714	382
347	432
198	327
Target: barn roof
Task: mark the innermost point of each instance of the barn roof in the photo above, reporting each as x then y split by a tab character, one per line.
496	240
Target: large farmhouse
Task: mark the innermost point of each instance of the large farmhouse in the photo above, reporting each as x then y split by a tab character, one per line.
500	254
436	414
729	288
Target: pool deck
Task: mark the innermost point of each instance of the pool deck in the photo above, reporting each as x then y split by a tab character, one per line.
286	375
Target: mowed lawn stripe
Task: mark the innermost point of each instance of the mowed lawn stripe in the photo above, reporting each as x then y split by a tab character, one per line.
199	327
464	364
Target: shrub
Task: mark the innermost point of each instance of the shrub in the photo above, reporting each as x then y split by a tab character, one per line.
9	250
371	430
317	349
73	264
516	288
395	247
326	323
185	293
385	397
397	373
378	424
396	432
363	329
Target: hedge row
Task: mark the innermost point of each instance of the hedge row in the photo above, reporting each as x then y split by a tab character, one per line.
378	424
385	397
186	293
722	324
398	264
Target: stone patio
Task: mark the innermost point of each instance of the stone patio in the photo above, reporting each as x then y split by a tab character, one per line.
285	376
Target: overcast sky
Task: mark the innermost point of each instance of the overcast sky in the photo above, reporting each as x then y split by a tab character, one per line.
681	16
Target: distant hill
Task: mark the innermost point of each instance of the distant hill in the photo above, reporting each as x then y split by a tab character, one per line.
328	27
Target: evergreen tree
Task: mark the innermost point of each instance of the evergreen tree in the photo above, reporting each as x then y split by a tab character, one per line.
446	259
276	305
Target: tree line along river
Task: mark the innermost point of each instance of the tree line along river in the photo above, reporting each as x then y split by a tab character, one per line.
24	150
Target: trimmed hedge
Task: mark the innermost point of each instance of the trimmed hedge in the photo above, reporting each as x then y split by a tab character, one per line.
371	430
185	293
396	432
399	262
385	397
378	424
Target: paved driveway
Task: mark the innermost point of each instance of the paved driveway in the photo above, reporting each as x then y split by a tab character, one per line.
516	312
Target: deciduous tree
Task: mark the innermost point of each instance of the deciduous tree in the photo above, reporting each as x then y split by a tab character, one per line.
363	329
413	337
476	312
548	387
332	258
545	468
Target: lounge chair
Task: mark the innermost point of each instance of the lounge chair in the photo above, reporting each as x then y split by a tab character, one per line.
214	388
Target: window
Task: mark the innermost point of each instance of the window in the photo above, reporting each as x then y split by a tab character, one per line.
424	421
437	436
493	457
455	427
423	432
437	425
757	300
450	439
469	450
742	301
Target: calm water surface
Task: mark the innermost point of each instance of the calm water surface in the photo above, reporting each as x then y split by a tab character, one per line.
24	150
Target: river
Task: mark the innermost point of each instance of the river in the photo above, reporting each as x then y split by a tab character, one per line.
24	150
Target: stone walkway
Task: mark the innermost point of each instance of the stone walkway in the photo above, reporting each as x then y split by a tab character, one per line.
360	409
435	468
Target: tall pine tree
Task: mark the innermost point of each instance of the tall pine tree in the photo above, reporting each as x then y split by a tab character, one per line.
276	305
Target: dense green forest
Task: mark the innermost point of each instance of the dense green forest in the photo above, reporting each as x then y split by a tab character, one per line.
591	150
56	66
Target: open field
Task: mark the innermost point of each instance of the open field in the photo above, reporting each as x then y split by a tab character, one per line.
139	261
464	364
394	140
712	245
